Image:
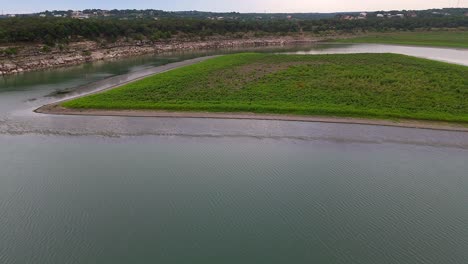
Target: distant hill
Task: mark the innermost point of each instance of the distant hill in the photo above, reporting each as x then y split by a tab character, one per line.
151	13
157	14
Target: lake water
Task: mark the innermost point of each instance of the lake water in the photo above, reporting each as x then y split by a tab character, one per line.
77	189
457	56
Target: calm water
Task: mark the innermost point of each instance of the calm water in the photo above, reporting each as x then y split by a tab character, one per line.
458	56
76	189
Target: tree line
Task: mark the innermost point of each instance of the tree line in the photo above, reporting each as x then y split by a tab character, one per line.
54	30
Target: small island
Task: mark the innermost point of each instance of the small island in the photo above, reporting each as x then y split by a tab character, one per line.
376	86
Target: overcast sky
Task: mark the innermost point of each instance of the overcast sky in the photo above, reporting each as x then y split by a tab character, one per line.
29	6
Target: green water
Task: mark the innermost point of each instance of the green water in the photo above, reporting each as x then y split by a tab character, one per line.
225	200
77	189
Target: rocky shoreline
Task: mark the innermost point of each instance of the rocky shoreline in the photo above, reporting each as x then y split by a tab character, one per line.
33	57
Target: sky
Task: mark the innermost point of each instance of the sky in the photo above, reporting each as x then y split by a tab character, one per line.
30	6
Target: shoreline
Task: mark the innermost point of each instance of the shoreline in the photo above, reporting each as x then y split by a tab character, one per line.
56	109
31	58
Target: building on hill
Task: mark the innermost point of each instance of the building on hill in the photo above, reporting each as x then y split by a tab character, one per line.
347	17
79	15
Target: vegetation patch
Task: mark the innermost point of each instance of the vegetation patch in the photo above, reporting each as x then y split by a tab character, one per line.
355	85
438	38
9	51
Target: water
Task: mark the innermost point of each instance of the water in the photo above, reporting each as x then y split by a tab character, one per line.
77	189
457	56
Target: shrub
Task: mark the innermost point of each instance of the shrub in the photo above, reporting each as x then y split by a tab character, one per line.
46	48
10	51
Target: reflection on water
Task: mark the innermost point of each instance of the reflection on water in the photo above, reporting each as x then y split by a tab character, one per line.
457	56
78	189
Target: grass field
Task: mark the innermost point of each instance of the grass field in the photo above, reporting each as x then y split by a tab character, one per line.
457	39
385	86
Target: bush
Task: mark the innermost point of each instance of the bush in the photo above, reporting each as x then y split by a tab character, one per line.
159	35
10	51
46	48
138	37
62	47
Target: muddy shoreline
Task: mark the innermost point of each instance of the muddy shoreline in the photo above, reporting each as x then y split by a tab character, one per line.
32	58
56	109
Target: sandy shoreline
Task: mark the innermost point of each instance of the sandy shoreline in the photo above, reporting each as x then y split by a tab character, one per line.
56	109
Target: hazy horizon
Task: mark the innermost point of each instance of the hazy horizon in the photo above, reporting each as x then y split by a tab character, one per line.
244	6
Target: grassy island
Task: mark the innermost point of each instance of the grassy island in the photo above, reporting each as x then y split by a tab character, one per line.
387	86
454	39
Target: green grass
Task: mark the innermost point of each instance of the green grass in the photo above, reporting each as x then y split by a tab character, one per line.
355	85
457	39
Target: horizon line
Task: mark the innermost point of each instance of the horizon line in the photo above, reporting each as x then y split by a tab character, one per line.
253	12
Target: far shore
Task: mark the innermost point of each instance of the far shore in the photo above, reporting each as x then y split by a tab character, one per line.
31	58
